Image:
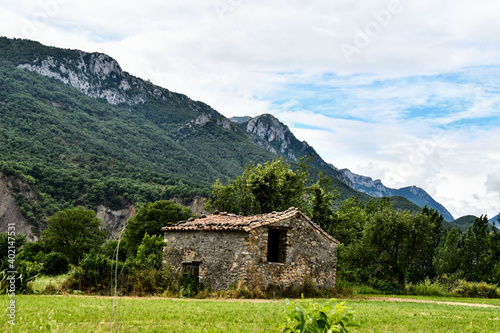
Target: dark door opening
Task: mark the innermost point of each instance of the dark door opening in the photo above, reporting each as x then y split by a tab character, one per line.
192	268
276	245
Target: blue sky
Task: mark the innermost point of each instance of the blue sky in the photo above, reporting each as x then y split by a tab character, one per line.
398	90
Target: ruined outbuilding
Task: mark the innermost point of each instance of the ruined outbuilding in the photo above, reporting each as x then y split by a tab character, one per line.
280	248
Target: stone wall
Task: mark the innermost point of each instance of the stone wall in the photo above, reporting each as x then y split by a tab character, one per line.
226	257
222	255
309	255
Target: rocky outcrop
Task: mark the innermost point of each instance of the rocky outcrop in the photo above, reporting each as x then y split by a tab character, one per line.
197	206
115	220
96	75
9	211
271	134
364	184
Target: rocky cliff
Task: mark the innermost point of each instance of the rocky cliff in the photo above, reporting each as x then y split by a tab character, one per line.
9	210
270	133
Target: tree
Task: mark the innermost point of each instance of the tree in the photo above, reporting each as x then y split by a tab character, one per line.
423	267
495	251
150	218
475	262
149	253
74	232
447	259
264	188
321	196
349	221
396	239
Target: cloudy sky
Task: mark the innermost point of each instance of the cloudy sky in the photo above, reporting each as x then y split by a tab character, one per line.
403	91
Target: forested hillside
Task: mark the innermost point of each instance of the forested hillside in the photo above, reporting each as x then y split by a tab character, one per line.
77	130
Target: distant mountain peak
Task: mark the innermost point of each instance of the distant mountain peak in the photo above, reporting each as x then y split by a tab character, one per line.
376	188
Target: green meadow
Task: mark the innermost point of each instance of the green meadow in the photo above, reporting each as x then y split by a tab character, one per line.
126	314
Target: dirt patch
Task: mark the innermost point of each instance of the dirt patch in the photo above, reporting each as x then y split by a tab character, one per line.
393	299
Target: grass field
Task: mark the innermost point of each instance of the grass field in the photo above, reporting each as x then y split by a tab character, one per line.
94	314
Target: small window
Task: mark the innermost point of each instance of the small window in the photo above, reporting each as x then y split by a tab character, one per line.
276	245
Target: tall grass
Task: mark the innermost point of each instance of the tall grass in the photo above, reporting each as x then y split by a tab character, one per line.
458	288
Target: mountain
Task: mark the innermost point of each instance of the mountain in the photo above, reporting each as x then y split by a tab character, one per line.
375	188
495	220
78	130
268	132
463	223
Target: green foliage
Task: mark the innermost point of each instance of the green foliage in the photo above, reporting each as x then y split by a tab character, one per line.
74	232
349	221
149	253
307	316
450	287
475	263
262	188
448	254
95	271
149	219
321	198
34	252
55	263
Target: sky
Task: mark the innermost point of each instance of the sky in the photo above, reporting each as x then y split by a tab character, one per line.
403	91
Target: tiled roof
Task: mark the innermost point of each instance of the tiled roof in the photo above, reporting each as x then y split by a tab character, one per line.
233	222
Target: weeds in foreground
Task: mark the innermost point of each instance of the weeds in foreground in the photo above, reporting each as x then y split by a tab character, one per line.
307	316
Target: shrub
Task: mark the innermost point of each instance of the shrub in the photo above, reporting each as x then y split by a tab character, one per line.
306	316
55	263
387	288
427	288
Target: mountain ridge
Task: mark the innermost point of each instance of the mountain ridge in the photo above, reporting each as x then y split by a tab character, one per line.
269	132
113	151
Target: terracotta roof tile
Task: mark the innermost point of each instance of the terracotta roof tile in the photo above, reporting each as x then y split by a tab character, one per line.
232	222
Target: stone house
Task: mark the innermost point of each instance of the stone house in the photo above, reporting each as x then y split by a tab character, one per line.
279	248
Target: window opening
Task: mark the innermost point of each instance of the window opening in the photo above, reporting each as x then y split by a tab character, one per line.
276	245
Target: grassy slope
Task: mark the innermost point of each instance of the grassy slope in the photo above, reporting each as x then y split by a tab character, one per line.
93	314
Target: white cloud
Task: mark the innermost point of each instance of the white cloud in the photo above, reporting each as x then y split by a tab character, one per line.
427	71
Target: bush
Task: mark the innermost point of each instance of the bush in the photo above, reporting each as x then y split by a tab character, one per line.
95	272
55	263
306	316
475	289
427	288
387	288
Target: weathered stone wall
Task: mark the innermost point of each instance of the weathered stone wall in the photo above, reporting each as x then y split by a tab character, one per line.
309	255
222	255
